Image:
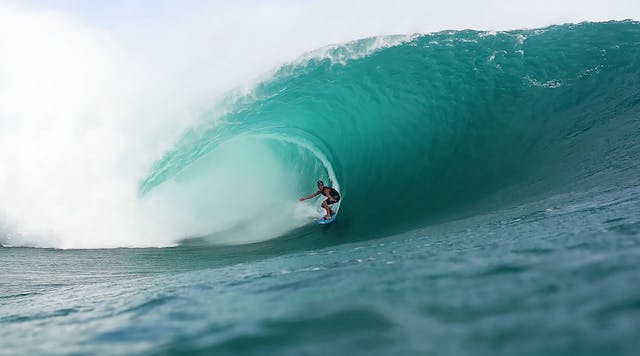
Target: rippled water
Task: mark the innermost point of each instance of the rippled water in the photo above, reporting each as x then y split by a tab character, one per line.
537	278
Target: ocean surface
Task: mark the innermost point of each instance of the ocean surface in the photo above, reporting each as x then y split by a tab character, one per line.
490	206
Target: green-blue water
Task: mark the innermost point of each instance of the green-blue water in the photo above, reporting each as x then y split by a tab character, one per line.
490	206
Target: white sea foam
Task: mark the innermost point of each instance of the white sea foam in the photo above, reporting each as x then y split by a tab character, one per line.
550	84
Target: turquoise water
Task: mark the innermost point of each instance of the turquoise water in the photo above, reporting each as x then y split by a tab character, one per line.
490	206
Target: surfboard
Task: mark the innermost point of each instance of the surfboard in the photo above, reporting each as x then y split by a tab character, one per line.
322	220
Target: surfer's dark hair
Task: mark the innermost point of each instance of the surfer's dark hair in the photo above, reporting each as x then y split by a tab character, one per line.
320	182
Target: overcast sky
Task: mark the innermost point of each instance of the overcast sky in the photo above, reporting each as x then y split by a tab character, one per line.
384	16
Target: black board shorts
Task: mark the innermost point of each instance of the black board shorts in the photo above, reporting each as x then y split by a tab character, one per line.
329	202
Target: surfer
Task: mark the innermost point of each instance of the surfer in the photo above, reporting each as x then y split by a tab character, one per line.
332	197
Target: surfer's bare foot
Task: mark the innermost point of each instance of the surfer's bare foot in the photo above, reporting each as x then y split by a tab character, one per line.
327	217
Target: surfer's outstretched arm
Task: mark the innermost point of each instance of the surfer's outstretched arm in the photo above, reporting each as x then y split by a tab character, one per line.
309	196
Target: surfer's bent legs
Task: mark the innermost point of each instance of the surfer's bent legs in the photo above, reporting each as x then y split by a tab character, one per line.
325	205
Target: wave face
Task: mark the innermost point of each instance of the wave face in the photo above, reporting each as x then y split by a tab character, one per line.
427	129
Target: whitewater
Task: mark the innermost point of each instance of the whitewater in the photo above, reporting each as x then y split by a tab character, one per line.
152	160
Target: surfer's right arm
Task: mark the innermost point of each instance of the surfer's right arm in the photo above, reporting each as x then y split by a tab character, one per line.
309	196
